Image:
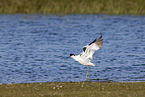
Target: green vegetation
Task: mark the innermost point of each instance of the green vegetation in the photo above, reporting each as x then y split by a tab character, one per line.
74	89
134	7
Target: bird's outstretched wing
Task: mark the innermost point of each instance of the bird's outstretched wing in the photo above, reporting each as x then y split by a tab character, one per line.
89	50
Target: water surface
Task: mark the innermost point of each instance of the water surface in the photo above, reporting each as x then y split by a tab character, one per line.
34	48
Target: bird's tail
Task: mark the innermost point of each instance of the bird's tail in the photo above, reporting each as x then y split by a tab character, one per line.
91	64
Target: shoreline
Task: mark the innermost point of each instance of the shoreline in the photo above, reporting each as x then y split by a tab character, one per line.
71	89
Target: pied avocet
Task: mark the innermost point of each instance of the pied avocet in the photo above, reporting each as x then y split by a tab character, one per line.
87	54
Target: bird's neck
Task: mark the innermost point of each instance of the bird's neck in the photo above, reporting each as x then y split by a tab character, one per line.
75	58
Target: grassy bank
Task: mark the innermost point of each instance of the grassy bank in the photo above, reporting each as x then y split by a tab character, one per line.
134	7
74	89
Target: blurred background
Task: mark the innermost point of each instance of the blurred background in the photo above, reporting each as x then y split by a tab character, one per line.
134	7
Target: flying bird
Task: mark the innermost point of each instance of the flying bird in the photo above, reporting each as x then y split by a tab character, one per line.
87	55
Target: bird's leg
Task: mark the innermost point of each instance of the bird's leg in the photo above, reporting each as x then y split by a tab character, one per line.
89	72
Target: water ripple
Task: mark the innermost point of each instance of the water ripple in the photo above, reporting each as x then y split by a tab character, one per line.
35	48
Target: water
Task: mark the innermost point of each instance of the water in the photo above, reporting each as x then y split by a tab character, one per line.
34	48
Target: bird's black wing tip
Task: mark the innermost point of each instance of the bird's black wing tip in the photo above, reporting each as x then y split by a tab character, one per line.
96	40
93	41
100	37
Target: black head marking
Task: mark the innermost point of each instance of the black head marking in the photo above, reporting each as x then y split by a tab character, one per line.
72	55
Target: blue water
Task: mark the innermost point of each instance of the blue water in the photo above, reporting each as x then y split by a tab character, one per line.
35	48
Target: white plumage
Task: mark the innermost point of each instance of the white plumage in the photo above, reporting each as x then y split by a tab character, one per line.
87	54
